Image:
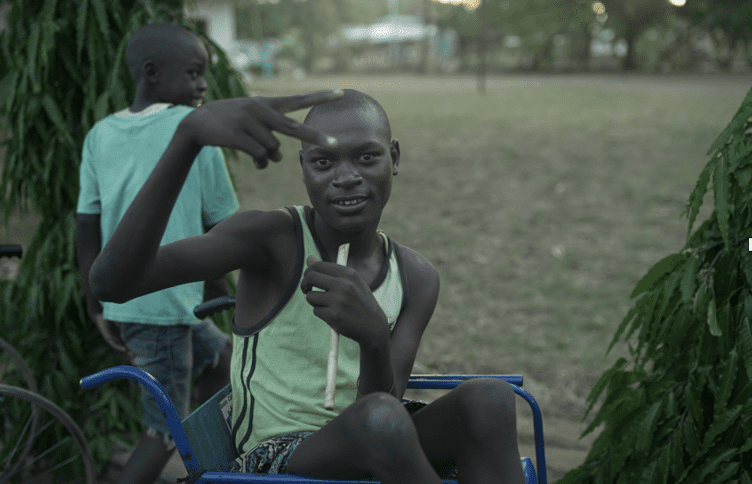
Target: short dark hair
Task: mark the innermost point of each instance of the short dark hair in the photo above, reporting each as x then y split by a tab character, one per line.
155	42
352	99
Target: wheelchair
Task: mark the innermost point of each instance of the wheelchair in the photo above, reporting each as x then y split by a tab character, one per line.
205	443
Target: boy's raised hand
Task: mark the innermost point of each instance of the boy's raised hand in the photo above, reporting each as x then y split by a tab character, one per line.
246	124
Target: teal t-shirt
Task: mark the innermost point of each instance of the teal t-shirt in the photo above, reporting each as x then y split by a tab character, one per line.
119	154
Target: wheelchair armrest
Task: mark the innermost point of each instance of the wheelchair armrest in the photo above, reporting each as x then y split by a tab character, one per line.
159	394
438	382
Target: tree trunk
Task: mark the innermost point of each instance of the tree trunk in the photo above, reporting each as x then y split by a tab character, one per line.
583	56
309	37
628	63
544	53
425	44
728	63
482	49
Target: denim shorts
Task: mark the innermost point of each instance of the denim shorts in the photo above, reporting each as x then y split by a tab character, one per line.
173	355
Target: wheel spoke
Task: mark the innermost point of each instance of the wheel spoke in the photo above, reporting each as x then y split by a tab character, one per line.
58	467
19	440
49	450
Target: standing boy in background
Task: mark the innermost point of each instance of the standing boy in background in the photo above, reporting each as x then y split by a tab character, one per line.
159	332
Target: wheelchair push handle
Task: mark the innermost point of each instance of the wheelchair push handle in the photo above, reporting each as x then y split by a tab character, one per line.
214	306
12	250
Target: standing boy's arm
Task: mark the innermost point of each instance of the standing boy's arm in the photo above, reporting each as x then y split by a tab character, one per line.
129	265
88	245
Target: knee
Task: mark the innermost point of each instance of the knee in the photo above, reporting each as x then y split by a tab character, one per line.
487	404
382	427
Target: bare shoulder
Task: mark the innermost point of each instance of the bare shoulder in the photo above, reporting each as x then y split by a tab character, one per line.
254	225
259	233
422	277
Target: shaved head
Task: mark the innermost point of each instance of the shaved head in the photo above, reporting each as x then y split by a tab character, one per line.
157	43
352	100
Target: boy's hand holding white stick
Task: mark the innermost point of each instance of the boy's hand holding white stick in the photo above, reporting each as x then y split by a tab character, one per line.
331	367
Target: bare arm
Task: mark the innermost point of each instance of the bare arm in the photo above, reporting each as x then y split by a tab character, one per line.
133	263
88	245
423	283
218	287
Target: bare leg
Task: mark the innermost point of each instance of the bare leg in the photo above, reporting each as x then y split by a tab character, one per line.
146	462
375	435
475	426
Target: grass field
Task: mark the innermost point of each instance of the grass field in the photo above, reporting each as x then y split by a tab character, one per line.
541	204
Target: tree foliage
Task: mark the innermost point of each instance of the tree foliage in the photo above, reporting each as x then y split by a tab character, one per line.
63	69
681	411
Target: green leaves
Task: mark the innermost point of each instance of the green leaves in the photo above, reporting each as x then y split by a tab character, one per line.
697	195
63	68
680	411
745	344
663	266
721	191
647	427
713	319
688	285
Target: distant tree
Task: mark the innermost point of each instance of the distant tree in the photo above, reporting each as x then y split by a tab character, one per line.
529	20
548	19
63	69
630	18
732	19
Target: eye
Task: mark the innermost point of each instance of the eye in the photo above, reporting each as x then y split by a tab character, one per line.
321	163
368	157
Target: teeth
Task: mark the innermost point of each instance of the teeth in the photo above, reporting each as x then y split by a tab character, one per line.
350	202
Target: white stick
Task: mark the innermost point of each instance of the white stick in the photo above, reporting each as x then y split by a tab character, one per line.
331	366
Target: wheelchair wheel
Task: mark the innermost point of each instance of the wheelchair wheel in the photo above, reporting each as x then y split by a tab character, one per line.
59	452
15	371
13	368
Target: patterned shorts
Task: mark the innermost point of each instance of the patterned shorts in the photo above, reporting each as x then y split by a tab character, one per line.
272	456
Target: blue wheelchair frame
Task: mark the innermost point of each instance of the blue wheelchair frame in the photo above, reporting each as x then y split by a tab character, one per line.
206	428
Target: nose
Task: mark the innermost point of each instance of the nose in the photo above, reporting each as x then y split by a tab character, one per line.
201	84
347	177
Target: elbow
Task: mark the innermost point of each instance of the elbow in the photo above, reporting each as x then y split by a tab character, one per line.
104	286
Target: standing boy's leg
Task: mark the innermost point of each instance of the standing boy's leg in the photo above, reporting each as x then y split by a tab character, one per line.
165	352
373	436
475	427
148	459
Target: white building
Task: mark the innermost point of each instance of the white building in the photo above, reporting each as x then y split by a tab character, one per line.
217	17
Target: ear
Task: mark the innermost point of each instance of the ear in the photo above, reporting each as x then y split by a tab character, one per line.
394	149
151	72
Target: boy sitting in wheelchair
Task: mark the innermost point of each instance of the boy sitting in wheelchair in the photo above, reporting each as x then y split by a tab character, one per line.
290	293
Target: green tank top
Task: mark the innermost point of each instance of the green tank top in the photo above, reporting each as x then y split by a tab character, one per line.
278	370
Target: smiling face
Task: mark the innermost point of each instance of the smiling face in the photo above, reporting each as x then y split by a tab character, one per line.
349	185
180	78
